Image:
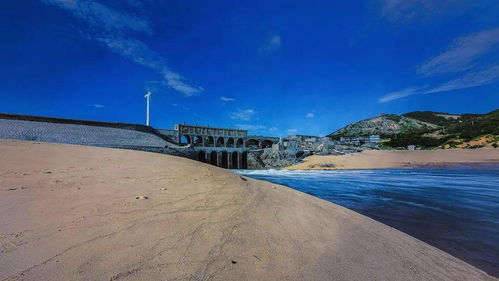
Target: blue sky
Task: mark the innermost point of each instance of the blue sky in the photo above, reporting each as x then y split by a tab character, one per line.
273	67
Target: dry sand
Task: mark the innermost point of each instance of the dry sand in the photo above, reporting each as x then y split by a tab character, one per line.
382	159
85	213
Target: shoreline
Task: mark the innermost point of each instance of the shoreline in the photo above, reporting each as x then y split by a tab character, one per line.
415	201
418	166
392	159
80	213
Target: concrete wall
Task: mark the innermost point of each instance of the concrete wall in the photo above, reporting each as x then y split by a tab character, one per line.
170	135
77	134
113	135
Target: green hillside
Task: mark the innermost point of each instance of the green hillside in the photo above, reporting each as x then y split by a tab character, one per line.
426	129
465	126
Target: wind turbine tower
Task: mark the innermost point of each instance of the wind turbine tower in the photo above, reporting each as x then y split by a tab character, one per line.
148	98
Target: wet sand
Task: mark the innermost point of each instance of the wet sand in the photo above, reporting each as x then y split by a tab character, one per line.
383	159
86	213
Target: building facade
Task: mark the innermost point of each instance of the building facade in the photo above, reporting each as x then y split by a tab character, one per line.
223	147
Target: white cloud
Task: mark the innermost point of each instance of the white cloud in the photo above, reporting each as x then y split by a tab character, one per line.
97	14
136	51
272	44
98	105
275	42
461	53
141	54
471	79
273	129
399	94
243	114
175	81
226	99
292	131
310	115
462	57
116	24
407	10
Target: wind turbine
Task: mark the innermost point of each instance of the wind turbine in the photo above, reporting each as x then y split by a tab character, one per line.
148	98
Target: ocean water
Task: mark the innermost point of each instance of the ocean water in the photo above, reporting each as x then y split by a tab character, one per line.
455	208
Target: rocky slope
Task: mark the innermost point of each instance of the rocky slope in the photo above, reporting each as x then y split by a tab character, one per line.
388	124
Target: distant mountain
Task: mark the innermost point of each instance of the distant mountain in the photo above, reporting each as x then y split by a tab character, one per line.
388	124
427	128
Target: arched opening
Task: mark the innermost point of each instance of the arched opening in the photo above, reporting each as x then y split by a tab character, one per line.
230	142
266	143
225	160
185	139
202	156
252	143
244	160
235	160
240	142
209	141
220	142
197	140
213	158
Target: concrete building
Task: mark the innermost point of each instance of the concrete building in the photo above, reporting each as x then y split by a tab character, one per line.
223	147
360	140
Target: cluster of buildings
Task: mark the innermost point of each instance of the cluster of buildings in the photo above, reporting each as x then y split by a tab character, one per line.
235	148
360	140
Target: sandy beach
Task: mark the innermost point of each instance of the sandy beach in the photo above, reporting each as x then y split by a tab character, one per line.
382	159
85	213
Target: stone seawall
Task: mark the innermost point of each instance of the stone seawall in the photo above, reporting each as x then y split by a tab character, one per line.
77	134
91	133
115	125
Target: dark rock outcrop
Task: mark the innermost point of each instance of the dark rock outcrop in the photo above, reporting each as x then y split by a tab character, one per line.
269	159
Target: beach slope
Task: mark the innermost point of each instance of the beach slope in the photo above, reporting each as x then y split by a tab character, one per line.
385	159
85	213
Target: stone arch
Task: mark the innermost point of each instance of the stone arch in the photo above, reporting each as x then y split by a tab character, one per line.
235	160
225	160
197	140
252	143
220	142
240	142
230	142
213	158
266	143
185	139
244	162
209	141
202	156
